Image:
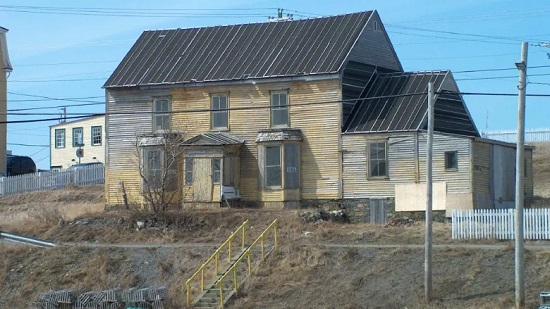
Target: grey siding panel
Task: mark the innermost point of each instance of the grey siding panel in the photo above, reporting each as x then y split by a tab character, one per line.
457	181
374	47
402	163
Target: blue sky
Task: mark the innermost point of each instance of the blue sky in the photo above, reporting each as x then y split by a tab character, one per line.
65	55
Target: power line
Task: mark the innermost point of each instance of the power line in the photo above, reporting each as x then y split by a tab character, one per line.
499	77
39	151
86	115
493	37
27	145
56	80
77	99
65	63
53	107
442	37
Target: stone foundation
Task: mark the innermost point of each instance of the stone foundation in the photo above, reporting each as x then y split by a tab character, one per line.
437	215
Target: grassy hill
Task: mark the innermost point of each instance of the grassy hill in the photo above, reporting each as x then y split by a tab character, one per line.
541	169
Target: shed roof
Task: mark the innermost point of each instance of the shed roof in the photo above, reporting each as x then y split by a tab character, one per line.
224	53
398	102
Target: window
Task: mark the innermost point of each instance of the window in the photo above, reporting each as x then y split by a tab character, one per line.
451	160
59	138
273	166
78	138
161	115
188	171
216	171
96	136
279	109
219	112
378	166
292	166
375	26
160	170
153	170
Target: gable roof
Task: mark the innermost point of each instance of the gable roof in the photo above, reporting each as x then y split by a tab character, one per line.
225	53
213	139
399	102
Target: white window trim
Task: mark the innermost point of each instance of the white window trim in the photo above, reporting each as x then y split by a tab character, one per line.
212	111
100	135
266	186
81	137
369	143
64	138
271	93
155	114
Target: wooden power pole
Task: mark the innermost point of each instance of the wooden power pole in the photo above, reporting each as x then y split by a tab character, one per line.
519	254
429	200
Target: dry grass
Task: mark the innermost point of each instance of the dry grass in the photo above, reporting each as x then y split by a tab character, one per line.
541	170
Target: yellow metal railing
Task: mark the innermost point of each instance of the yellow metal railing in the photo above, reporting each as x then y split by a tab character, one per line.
246	254
202	272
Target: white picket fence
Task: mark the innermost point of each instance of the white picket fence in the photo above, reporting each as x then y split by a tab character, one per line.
510	136
89	175
499	224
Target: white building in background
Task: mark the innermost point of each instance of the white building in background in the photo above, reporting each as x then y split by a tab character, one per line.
68	139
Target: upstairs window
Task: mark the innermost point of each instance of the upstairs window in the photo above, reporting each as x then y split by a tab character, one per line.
96	136
279	109
219	114
161	115
451	160
378	159
59	138
78	137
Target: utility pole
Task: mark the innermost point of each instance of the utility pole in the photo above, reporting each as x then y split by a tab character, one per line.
519	254
428	236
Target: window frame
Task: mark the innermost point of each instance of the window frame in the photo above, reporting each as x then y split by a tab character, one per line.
188	171
216	174
56	138
370	160
451	168
81	137
266	178
273	108
219	110
161	113
100	135
163	173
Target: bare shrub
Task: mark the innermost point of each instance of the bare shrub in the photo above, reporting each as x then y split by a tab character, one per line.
50	215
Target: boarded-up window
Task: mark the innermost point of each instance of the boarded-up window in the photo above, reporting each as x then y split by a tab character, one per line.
161	115
378	161
451	160
216	170
279	109
228	171
273	166
219	112
188	171
292	166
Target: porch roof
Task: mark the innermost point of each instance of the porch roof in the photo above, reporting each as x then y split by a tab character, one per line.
213	139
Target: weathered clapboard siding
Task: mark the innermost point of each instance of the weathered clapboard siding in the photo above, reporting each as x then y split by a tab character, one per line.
402	164
374	47
457	181
482	167
122	131
320	167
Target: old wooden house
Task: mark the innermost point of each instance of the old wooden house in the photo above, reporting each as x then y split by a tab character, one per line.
286	114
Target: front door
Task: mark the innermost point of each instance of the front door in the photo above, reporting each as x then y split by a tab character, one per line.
202	182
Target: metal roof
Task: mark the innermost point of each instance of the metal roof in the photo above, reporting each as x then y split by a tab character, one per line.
213	139
398	102
224	53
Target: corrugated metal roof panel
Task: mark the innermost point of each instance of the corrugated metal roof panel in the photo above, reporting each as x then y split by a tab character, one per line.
310	46
397	102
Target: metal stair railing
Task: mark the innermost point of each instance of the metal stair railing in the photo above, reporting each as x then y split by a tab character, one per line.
202	272
247	254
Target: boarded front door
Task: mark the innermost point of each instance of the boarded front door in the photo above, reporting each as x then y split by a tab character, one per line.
202	180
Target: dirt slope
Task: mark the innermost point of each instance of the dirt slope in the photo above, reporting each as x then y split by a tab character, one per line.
541	169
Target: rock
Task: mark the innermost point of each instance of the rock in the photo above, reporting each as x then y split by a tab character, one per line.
140	225
61	223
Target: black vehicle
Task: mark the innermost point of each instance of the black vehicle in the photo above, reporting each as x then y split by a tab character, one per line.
19	165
